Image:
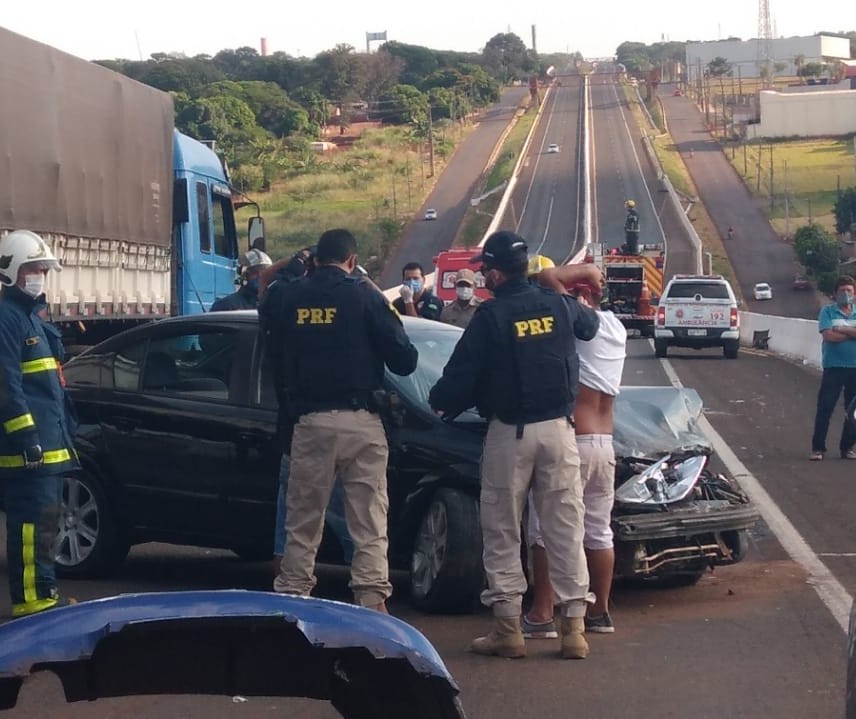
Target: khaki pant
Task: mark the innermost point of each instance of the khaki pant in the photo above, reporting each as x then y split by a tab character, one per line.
545	458
597	473
353	445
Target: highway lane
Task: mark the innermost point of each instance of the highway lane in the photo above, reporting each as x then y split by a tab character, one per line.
423	239
545	205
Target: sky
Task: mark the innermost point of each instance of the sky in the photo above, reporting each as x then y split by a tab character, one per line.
109	29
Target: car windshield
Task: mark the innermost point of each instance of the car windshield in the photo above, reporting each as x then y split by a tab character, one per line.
435	343
762	287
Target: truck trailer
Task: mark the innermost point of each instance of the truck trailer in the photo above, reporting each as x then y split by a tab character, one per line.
140	216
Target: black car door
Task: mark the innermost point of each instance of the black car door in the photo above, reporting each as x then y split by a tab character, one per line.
251	489
169	429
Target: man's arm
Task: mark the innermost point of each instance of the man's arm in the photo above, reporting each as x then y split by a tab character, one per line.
560	278
456	390
585	320
388	334
16	420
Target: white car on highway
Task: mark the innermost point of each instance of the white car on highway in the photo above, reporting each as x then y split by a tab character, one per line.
552	148
763	291
431	214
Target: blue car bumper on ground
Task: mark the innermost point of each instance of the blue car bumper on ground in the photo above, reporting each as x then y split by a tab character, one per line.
368	665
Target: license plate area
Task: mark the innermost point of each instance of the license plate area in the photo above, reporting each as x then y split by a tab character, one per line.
697	333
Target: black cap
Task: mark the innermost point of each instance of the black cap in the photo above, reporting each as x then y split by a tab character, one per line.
502	250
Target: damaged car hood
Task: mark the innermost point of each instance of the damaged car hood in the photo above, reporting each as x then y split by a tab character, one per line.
650	421
232	642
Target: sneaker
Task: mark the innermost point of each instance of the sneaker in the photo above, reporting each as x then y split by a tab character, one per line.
538	630
600	625
849	454
816	456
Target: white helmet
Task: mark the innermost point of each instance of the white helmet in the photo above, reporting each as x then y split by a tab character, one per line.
255	258
22	247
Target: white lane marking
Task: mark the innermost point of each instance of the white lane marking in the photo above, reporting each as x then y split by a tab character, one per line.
831	592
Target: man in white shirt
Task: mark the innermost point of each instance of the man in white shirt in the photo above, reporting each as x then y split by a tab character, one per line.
601	365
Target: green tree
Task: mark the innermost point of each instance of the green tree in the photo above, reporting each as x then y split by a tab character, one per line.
506	57
845	211
816	248
811	69
341	74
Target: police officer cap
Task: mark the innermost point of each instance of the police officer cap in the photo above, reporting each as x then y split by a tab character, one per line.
502	250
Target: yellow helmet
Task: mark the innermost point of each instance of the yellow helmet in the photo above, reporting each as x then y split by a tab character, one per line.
630	204
538	263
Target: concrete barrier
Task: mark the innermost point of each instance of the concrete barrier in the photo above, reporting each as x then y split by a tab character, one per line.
790	337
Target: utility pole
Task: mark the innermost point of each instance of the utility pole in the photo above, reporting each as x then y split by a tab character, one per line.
787	206
430	144
772	192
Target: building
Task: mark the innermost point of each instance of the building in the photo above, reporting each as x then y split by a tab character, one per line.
744	54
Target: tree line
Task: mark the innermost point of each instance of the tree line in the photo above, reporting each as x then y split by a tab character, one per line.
264	111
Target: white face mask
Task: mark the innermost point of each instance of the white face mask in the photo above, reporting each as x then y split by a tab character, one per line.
464	293
34	284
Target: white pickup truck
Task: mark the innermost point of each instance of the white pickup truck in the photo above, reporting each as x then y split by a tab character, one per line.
697	311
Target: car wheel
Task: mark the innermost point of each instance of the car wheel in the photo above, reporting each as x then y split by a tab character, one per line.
446	573
89	543
661	348
731	349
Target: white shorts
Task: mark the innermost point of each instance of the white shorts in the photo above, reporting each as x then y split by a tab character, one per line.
597	471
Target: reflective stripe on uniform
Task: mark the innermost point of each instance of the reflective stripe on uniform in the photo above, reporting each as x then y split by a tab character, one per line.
28	560
37	605
18	423
54	456
45	364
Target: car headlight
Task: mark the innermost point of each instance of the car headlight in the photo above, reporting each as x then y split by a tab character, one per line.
663	482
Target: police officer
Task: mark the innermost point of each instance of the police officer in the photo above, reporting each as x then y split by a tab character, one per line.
36	447
330	339
517	363
253	262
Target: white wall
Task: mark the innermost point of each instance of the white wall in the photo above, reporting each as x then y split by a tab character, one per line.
809	114
790	337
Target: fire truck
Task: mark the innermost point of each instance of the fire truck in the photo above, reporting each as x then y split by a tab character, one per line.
447	264
634	283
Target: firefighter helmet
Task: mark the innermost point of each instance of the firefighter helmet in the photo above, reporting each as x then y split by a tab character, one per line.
538	263
22	247
630	204
255	258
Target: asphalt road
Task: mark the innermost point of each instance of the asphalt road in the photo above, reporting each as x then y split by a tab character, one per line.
546	202
451	196
753	640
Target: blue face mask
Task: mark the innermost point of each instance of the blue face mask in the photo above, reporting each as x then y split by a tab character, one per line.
253	284
843	299
415	285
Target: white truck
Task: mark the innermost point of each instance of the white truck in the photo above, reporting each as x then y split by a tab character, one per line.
697	311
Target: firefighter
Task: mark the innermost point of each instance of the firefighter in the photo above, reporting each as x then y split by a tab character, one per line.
36	447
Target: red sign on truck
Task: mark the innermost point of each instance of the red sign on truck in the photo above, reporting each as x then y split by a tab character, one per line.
446	266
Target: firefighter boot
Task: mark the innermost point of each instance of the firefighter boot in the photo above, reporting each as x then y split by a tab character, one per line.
574	644
505	640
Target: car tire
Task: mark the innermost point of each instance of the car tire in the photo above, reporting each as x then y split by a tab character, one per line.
89	542
731	349
446	573
661	348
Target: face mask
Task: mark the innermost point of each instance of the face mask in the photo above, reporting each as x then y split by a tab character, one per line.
415	285
842	298
34	285
464	293
253	284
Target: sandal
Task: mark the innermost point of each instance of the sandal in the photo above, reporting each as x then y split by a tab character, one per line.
815	456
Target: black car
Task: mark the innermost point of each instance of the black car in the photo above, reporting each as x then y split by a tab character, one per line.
178	443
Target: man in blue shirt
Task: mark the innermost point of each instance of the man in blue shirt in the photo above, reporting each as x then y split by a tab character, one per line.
837	325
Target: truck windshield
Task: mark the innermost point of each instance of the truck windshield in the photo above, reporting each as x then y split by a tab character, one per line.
708	290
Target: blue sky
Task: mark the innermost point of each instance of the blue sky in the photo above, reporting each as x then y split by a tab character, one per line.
98	29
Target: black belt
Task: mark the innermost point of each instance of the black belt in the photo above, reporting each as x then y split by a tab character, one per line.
349	403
